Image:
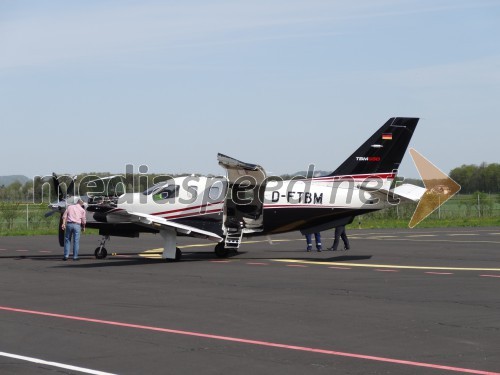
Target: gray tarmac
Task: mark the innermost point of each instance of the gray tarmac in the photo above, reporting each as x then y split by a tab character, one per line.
421	301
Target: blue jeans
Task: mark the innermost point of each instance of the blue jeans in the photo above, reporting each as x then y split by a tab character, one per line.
317	238
72	230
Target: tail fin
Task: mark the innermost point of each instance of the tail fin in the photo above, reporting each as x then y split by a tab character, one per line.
383	151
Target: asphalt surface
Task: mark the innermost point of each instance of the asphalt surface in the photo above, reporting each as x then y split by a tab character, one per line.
399	302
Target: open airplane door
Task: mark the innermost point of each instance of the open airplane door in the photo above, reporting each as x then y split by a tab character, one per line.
244	202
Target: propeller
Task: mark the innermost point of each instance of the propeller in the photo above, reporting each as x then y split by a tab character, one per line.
63	199
60	205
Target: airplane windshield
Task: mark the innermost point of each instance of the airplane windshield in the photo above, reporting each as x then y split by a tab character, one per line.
156	187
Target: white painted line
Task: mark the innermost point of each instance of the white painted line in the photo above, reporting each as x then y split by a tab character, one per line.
489	275
440	273
421	235
379	270
296	265
462	234
54	364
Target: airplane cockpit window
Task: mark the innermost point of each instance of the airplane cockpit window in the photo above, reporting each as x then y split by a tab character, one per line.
157	187
168	192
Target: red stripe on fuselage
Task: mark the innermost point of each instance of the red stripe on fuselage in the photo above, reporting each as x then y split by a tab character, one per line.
382	176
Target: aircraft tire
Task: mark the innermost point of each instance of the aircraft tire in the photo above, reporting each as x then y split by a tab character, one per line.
178	254
100	253
221	251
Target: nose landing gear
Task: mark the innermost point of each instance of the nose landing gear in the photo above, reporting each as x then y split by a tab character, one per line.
101	252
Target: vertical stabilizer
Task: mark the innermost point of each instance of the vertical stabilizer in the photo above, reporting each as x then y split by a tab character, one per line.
383	151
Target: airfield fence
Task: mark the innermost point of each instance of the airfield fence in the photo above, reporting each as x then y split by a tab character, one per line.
26	216
463	206
15	217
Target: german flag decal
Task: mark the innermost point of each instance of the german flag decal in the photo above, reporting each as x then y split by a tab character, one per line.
387	136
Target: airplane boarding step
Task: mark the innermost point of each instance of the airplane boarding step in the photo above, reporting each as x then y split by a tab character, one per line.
233	240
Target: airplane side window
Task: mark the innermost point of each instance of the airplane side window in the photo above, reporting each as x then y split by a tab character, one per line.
214	192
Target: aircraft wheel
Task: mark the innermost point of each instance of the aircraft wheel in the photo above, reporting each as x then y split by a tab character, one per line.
100	252
221	251
178	254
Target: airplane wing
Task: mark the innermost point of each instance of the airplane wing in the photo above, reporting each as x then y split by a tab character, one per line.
404	192
156	222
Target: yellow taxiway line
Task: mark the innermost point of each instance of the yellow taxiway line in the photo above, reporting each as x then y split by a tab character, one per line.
384	265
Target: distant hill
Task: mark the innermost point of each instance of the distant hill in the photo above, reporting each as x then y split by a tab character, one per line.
7	180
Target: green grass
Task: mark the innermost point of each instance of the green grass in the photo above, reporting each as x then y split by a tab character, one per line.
427	223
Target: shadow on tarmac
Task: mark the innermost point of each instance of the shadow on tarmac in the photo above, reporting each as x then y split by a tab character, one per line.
131	259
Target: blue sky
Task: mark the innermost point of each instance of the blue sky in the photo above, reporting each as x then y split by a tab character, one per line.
93	85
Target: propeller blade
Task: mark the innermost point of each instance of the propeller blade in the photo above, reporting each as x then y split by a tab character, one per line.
57	188
49	213
71	188
61	233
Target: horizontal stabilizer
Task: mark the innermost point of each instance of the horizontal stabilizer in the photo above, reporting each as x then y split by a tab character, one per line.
409	192
404	192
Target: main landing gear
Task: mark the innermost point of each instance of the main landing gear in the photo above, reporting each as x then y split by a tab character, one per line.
101	252
221	251
178	255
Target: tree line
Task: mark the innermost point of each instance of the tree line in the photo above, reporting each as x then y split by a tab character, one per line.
477	178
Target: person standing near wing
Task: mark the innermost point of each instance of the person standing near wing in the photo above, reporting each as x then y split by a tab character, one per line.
73	223
317	238
340	233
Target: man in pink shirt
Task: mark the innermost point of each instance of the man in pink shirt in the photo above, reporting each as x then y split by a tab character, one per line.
73	222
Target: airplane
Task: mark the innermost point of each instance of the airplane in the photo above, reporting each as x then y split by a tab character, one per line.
249	203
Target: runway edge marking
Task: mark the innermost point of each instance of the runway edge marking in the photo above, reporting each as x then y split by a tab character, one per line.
253	342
